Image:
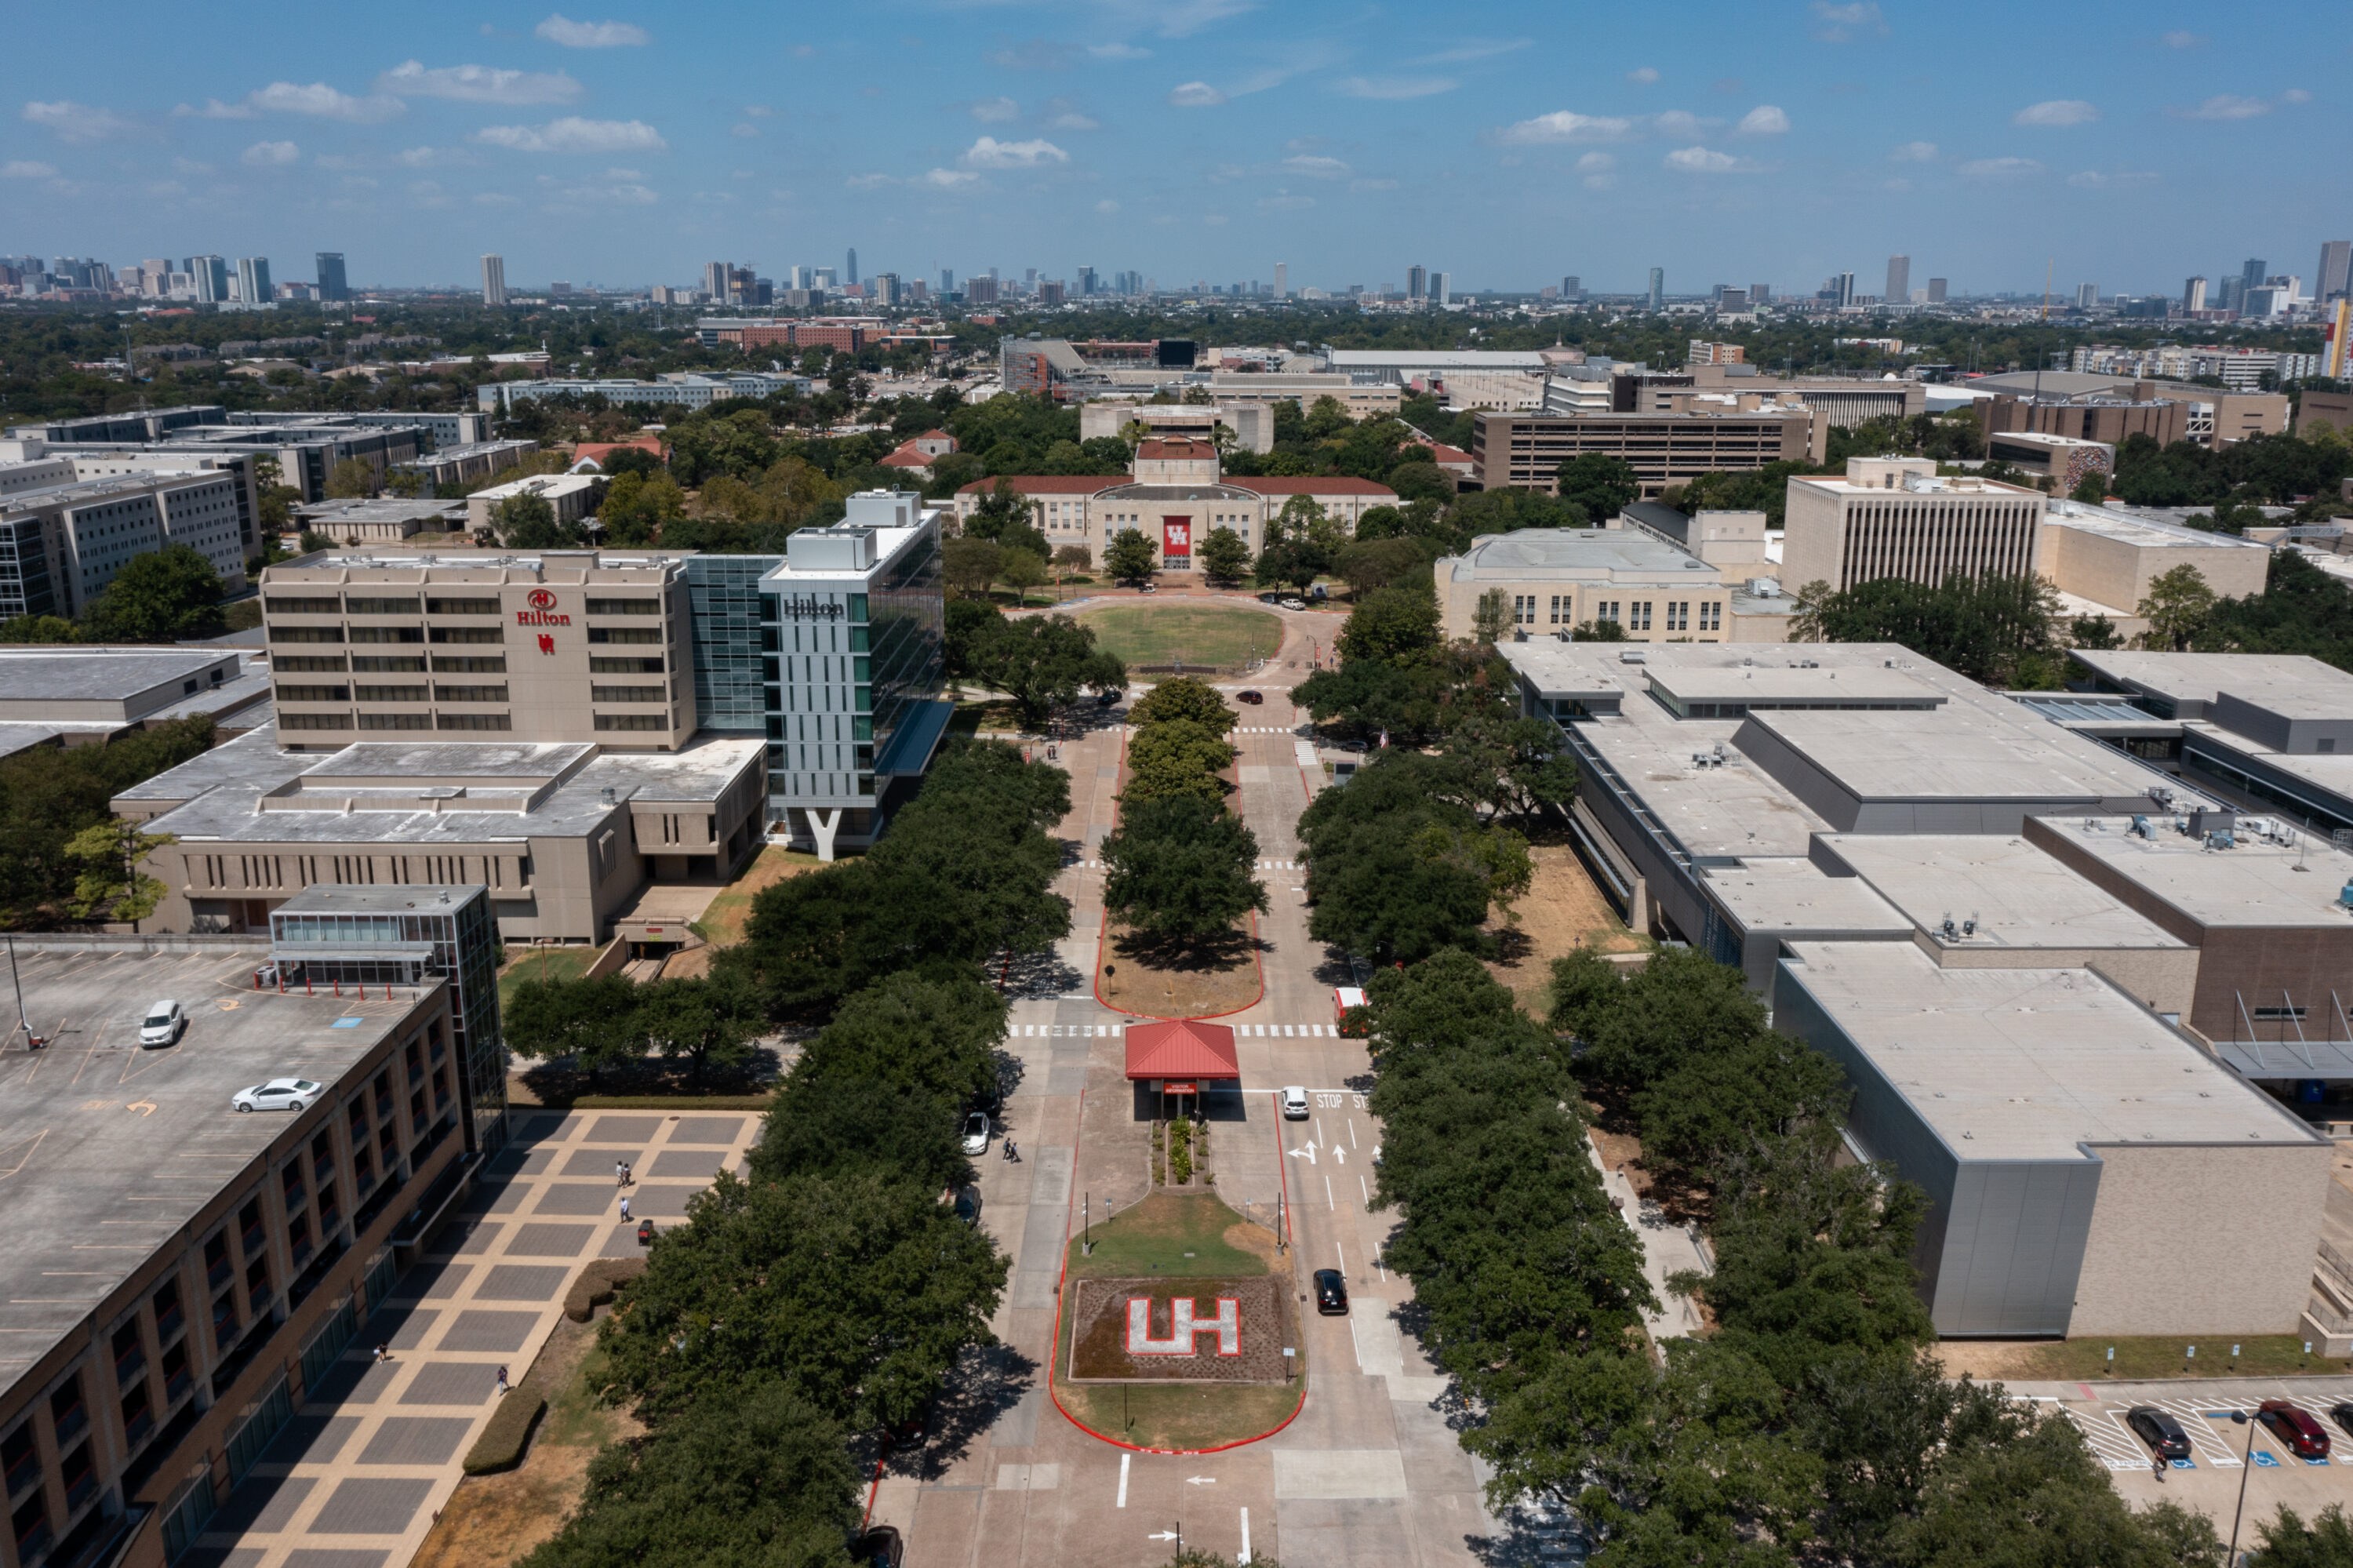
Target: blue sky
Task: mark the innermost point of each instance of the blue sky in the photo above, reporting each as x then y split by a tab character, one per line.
1508	144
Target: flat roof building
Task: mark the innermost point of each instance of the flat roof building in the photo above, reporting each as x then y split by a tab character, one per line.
85	695
1554	580
2089	1170
379	520
458	463
1524	451
1895	518
674	390
568	495
62	544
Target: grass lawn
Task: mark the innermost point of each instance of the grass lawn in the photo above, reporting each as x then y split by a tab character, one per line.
1177	1235
2086	1360
544	963
722	922
1165	632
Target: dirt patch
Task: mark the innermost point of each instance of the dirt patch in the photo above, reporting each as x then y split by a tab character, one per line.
491	1522
1564	910
1139	977
722	922
1620	1151
2085	1359
1101	1314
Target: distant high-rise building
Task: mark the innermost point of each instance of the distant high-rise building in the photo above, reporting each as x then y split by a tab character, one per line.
1417	281
2194	294
253	279
1838	289
1282	280
2086	295
2335	275
1442	288
1658	287
948	279
211	273
495	280
1937	291
849	272
331	283
980	291
1052	292
1899	279
1572	288
1086	281
1759	292
714	282
2250	276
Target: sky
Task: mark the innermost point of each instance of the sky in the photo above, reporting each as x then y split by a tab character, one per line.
1507	144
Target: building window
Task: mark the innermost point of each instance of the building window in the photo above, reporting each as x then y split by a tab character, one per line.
625	606
442	693
381	606
314	694
1558	602
314	720
462	664
462	606
394	634
1679	615
388	664
461	634
624	634
625	694
327	606
1711	617
396	721
392	694
1639	620
473	721
307	664
307	634
632	721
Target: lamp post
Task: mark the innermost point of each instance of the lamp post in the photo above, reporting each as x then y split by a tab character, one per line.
2245	1465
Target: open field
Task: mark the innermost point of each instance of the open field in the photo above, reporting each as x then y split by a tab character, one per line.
1195	633
543	964
1562	910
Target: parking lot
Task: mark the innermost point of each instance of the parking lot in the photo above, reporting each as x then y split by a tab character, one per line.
2209	1480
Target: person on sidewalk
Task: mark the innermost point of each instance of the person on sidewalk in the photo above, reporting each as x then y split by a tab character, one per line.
625	1208
620	1174
502	1380
629	1175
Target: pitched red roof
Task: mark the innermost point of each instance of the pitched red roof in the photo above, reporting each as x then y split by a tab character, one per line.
1048	484
1320	484
905	457
1185	1049
598	452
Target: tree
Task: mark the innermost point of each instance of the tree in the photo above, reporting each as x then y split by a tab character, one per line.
595	1022
1597	632
350	480
2094	632
170	595
1184	697
969	622
940	1037
750	1473
1806	624
638	505
1289	562
1021	569
1181	869
25	629
2177	607
2091	490
111	885
2289	1543
1041	661
1510	766
1393	625
708	1021
1004	516
1177	758
1421	480
1373	564
1490	618
835	1127
526	522
1601	484
1129	557
1225	559
971	565
1074	558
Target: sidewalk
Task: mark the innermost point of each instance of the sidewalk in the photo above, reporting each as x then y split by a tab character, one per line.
357	1478
1667	1249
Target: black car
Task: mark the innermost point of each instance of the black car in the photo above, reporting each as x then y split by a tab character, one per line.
1331	1291
1253	698
2161	1432
880	1547
2343	1415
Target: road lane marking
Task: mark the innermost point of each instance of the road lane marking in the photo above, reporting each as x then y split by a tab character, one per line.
1367	1192
1123	1458
1329	1202
1351	1135
1244	1559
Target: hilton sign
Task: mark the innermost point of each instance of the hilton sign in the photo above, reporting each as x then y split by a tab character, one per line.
541	611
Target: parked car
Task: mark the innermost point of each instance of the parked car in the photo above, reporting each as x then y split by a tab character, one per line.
2305	1437
278	1094
1331	1292
1253	698
1294	1104
2342	1413
163	1024
1272	598
645	1233
1294	604
879	1548
975	1133
2160	1430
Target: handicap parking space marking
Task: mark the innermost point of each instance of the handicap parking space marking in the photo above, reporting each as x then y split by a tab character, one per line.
2113	1443
2210	1444
2264	1461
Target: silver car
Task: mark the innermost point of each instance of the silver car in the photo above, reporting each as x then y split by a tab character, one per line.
278	1094
163	1024
975	1133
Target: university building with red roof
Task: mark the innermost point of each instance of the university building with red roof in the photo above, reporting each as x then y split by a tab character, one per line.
1176	494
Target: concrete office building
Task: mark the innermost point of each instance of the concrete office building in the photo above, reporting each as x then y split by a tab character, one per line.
1306	388
253	286
495	280
381	521
675	389
457	463
226	1295
437	431
1553	580
2074	1150
2060	462
332	283
1899	280
86	696
62	544
1252	424
1895	518
2103	559
1524	451
568	495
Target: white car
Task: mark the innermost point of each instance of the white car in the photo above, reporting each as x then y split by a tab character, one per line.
278	1094
1294	604
975	1133
1294	1104
162	1023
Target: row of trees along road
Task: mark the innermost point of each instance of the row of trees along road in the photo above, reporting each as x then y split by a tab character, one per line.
1181	867
828	1293
1814	1426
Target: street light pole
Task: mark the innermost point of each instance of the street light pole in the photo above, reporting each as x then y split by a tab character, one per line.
2246	1464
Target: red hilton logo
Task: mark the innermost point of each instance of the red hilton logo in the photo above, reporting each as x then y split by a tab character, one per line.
542	613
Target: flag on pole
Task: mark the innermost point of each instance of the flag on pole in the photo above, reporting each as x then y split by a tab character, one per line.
1385	740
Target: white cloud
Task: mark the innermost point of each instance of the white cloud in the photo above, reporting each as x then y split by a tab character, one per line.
622	194
2057	111
1214	219
1913	152
758	110
27	169
626	174
988	153
1107	206
1177	18
1315	167
478	84
1398	86
495	199
426	192
573	134
162	190
744	130
1285	202
1563	125
1681	123
1999	168
995	111
1764	119
1117	52
270	154
1363	186
190	167
324	102
1072	120
1600	182
72	122
1645	75
2178	39
433	157
1596	162
948	179
2296	95
1195	95
2224	106
874	182
1896	185
1707	161
1476	49
2092	179
1840	23
561	29
214	109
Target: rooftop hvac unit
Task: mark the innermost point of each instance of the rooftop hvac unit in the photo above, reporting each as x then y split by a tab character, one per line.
1765	587
1632	656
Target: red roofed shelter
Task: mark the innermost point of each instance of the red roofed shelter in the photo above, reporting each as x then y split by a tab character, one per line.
1179	1058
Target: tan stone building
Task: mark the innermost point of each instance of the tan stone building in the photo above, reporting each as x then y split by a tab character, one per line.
1524	451
1553	580
1894	517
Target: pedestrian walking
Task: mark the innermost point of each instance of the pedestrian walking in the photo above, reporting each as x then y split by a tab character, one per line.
620	1174
383	1352
502	1380
629	1175
2160	1467
624	1207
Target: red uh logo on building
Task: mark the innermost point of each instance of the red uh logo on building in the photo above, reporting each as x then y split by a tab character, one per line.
546	643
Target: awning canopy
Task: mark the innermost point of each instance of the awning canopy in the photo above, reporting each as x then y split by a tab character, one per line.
1186	1049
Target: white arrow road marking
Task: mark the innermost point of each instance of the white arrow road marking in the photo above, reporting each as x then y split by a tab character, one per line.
1200	1480
1341	1155
1306	1149
1162	1535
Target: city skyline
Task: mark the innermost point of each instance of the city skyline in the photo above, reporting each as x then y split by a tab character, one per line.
1195	140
